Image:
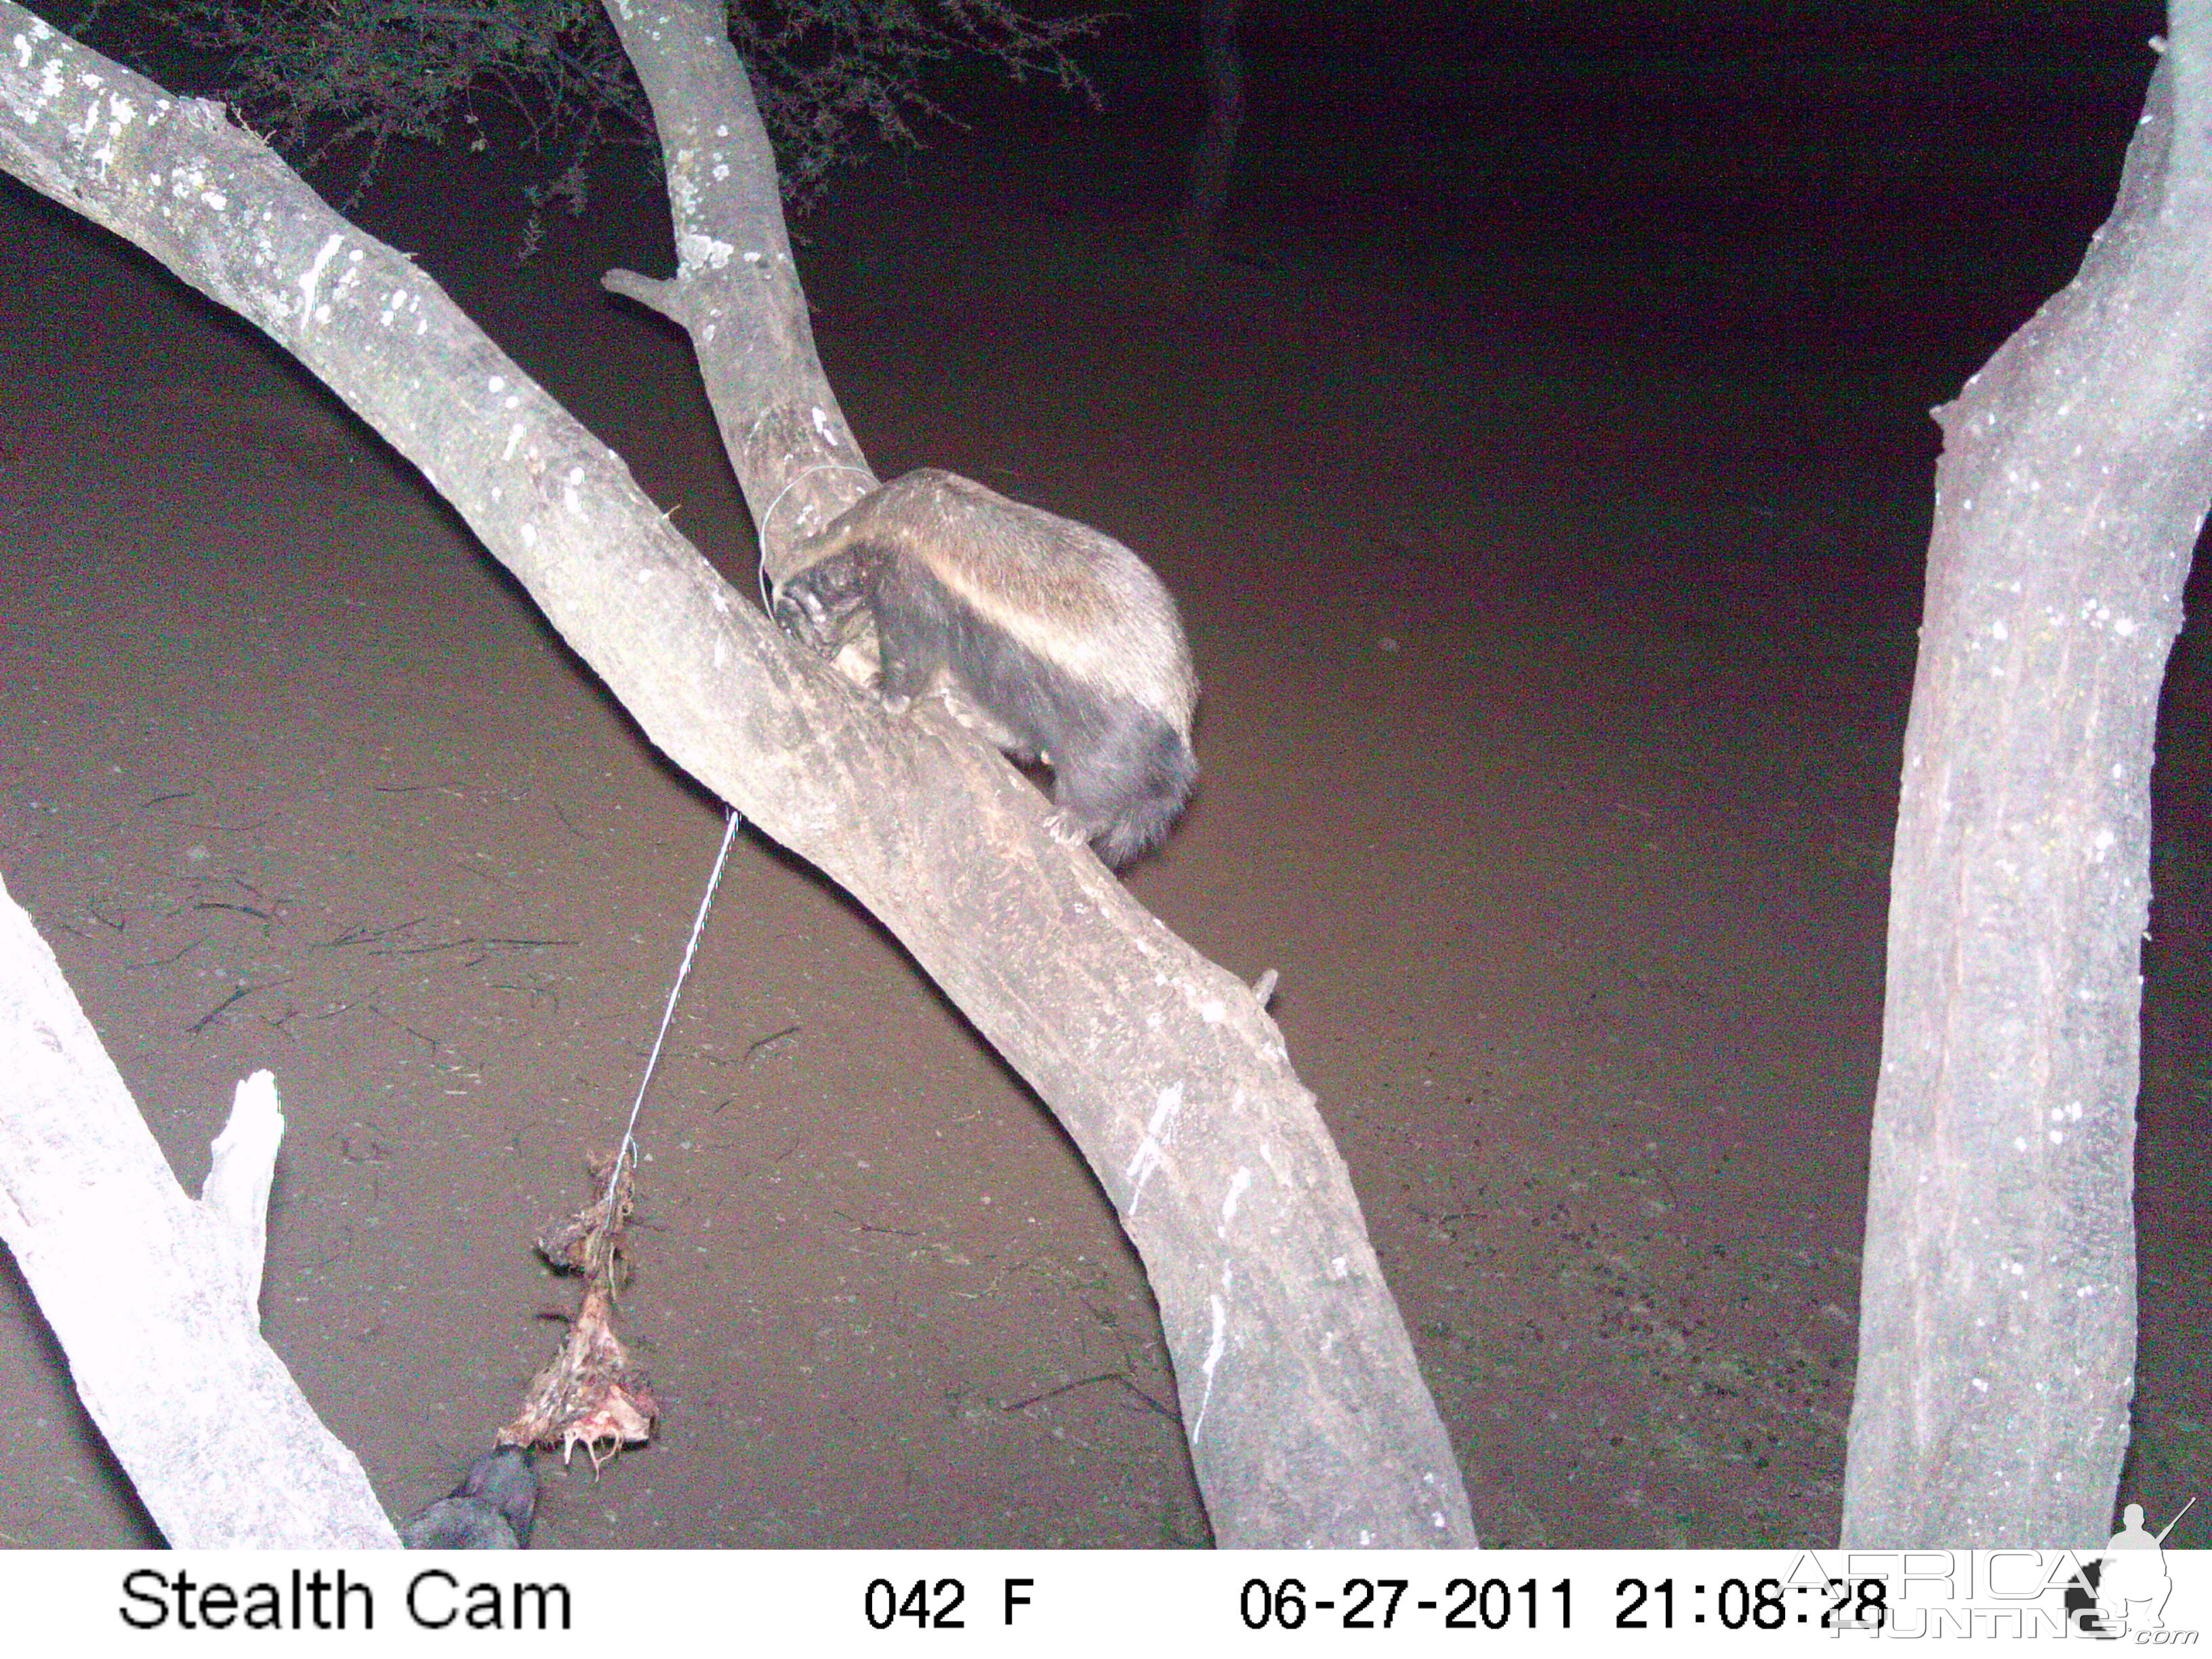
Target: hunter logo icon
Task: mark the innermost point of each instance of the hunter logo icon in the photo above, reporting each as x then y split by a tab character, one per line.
2122	1590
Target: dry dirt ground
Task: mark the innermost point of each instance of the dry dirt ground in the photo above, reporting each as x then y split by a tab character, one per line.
1552	568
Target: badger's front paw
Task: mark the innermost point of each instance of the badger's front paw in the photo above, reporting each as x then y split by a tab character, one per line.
1066	830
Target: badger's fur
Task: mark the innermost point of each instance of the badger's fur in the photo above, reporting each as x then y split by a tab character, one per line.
1064	646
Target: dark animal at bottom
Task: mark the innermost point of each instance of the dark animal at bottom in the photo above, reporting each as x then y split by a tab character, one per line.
1060	642
494	1508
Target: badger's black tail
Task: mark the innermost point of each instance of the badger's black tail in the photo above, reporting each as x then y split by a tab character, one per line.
1148	783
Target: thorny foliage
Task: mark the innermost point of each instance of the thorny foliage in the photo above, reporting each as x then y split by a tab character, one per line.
329	78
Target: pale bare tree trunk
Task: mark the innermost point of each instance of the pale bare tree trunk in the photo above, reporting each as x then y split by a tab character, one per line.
1308	1421
1997	1331
154	1296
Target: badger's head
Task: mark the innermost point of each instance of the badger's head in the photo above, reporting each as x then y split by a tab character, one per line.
820	605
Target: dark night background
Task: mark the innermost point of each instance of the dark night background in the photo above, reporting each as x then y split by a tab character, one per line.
1544	474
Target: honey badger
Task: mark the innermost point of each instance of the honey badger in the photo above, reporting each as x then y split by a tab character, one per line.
1059	638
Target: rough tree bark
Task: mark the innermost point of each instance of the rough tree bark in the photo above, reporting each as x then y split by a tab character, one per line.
1996	1340
737	293
1307	1417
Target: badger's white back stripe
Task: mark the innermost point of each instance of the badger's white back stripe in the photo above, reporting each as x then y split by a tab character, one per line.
1060	633
1058	588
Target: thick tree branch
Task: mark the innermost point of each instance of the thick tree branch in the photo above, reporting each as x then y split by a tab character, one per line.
737	292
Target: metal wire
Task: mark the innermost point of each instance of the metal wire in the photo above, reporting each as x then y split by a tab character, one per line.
626	1154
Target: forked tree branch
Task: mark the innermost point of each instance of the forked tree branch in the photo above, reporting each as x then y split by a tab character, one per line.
1308	1420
